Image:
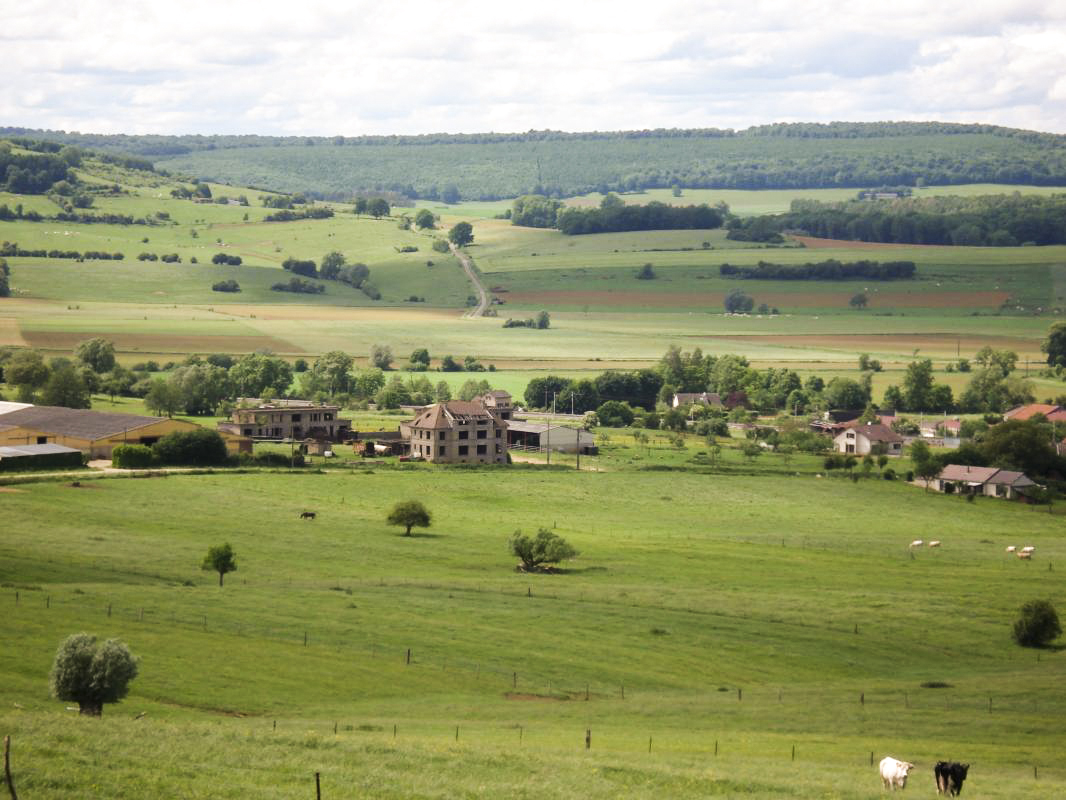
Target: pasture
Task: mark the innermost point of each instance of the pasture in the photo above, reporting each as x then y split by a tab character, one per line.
744	610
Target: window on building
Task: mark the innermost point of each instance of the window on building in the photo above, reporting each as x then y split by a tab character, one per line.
441	435
463	449
327	417
482	434
247	431
482	449
442	451
296	418
464	434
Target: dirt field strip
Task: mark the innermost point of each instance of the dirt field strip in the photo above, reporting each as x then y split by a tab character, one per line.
9	332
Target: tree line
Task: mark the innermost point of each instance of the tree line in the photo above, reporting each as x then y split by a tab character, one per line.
828	270
988	220
850	155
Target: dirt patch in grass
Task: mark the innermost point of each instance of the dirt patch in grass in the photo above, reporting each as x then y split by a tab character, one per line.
534	698
338	313
913	298
162	342
9	490
815	243
9	332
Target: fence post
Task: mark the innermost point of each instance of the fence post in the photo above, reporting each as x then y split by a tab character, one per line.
862	698
48	601
109	611
514	681
588	741
649	744
7	768
716	747
740	694
623	691
408	662
318	787
334	727
305	638
871	758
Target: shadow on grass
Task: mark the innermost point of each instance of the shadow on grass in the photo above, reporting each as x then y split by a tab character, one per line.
420	535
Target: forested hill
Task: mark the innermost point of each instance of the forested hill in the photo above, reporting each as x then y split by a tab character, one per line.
496	165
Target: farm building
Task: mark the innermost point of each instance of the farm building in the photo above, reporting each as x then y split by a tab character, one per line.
989	481
862	440
94	433
39	456
458	432
1022	413
288	419
542	436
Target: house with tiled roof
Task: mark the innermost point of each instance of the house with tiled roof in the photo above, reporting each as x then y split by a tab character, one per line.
1022	413
862	440
499	402
711	399
988	481
458	432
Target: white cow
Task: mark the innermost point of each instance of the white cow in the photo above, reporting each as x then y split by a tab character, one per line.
1011	548
917	543
1028	549
1025	555
935	543
894	772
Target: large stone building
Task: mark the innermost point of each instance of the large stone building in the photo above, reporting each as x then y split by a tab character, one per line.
288	419
458	432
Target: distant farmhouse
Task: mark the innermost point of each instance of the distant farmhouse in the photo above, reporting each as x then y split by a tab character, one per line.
682	399
459	432
288	419
988	481
862	440
94	433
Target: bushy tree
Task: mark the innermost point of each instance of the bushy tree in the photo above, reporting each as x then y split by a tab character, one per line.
424	219
409	514
331	265
378	207
27	370
98	353
220	558
738	302
380	356
461	234
257	372
91	675
163	398
1037	624
538	551
1055	345
614	414
67	388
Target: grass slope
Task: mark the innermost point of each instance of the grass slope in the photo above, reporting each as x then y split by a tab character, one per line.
692	588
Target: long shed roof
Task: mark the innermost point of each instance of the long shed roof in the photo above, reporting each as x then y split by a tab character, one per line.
77	422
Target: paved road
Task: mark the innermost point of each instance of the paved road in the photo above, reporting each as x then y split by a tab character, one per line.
483	301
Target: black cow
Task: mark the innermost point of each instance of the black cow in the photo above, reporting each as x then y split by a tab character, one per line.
949	777
307	515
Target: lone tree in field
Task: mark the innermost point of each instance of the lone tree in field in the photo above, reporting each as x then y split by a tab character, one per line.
859	301
461	234
738	302
92	675
1037	625
220	559
540	550
408	514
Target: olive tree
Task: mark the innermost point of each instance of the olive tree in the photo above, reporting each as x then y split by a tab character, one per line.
537	551
91	674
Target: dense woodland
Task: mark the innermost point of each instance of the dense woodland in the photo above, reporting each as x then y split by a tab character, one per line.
829	270
989	220
449	167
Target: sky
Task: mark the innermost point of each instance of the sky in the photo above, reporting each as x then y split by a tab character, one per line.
307	67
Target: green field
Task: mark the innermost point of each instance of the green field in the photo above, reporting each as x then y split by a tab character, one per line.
731	620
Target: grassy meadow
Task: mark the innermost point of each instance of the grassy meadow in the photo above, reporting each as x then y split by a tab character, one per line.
748	607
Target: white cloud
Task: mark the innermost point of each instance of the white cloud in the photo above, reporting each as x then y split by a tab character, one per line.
474	65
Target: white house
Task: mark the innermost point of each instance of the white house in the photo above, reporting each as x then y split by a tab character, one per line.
862	439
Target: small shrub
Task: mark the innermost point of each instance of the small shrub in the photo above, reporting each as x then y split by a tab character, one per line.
544	549
132	456
936	685
226	286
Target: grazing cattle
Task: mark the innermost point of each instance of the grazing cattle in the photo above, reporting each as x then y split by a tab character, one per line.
935	543
1028	549
917	543
307	515
1026	555
949	777
1011	548
894	772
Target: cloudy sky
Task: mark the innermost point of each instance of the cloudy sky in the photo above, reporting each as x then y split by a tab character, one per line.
413	66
